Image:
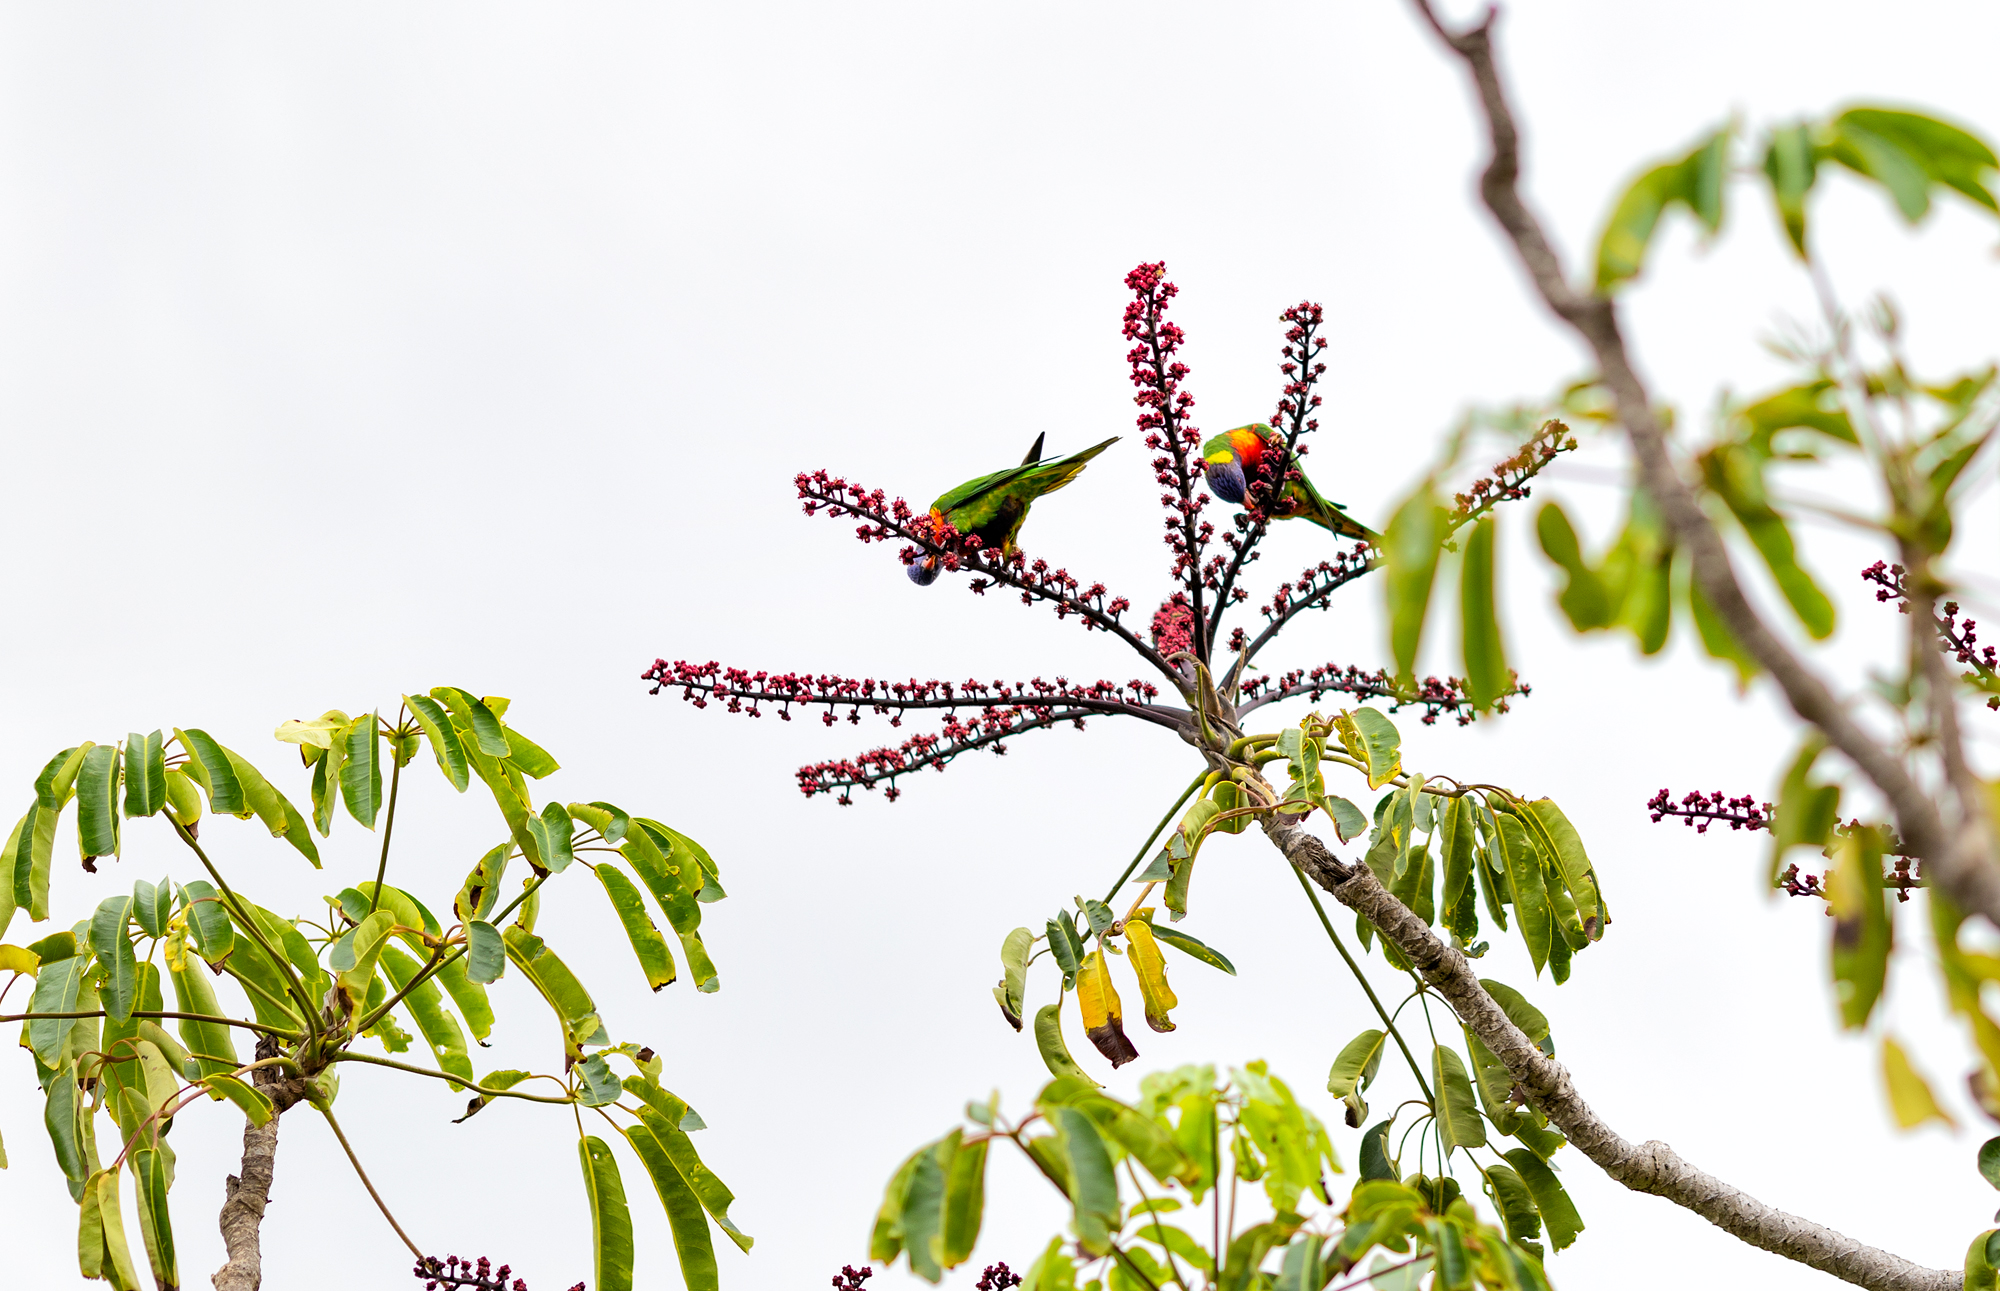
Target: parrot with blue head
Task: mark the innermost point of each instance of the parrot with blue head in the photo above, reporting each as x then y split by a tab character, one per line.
1233	461
993	507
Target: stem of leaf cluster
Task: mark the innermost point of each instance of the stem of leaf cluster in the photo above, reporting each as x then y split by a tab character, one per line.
1355	968
283	965
258	1027
388	828
355	1161
1158	829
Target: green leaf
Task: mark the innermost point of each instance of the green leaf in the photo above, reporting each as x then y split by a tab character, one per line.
1695	182
1375	1162
34	851
1515	1204
531	757
1908	155
1861	925
674	880
114	953
1486	672
559	986
1980	1274
1188	944
443	737
272	808
692	1245
1563	846
655	960
153	906
1412	543
1049	1040
922	1218
1495	1085
485	955
1458	1119
249	1099
97	802
488	737
552	831
480	893
1065	947
1357	1064
355	955
1013	987
606	819
361	771
145	774
1525	888
207	920
1586	598
151	1172
57	781
208	766
1735	475
1791	164
1521	1013
194	992
1093	1187
426	1003
67	1121
1989	1161
468	995
1381	745
610	1221
1348	822
1716	638
1461	908
1806	812
670	1119
1557	1210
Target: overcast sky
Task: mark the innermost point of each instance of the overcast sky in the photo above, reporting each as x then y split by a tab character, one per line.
347	353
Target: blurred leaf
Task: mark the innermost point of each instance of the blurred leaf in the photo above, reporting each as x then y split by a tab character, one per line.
1411	546
1908	155
1695	182
1791	164
1486	672
610	1221
1861	925
248	1098
964	1203
1806	812
1989	1161
1716	637
1093	1187
1735	475
1910	1097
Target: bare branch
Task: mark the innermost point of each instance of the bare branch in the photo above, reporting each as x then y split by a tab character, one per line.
1958	858
1651	1167
1436	696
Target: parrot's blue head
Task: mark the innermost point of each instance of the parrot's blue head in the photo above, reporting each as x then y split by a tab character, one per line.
924	572
1225	480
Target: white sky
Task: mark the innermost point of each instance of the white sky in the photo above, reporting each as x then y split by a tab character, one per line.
345	355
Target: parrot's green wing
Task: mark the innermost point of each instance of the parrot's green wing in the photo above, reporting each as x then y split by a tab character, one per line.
1330	516
995	506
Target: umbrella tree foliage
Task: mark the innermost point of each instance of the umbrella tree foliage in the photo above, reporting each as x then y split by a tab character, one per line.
1441	858
268	1011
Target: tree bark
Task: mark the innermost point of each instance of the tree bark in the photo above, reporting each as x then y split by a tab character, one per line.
1650	1167
247	1194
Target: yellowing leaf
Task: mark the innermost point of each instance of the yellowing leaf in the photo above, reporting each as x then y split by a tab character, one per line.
1910	1097
1151	967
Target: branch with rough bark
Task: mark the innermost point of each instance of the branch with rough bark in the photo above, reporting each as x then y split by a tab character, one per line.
248	1193
1957	851
1651	1167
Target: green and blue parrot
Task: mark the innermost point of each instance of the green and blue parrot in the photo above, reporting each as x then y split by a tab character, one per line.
994	507
1234	458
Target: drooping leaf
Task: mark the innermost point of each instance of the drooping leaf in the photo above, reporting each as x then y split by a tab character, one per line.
1532	1022
145	774
1526	891
440	1029
114	954
485	955
1380	745
552	831
207	920
1049	1040
1013	987
1093	1186
1861	925
1103	1016
964	1204
1515	1204
610	1221
151	1172
1353	1070
671	1120
1458	1121
1557	1210
1806	812
655	960
692	1245
533	760
1735	475
443	737
208	766
361	770
558	985
211	1044
1375	1162
488	736
97	802
1585	599
1151	968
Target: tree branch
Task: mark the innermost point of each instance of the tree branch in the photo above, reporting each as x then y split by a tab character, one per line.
1957	859
1651	1167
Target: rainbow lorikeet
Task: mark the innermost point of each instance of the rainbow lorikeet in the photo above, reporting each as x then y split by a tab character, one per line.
1233	461
993	507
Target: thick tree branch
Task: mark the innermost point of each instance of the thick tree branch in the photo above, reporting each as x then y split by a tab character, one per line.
248	1193
1956	859
1652	1167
